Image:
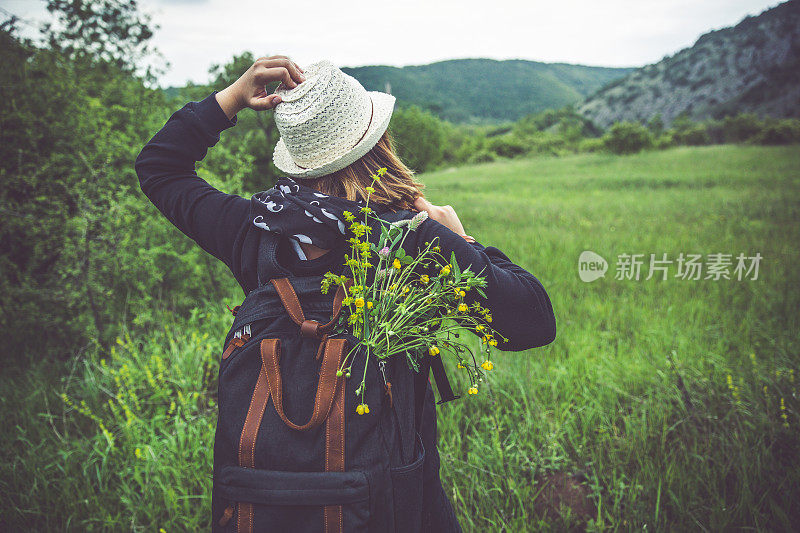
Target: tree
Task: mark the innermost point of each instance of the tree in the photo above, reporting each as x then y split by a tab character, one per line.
627	138
419	137
110	31
741	127
656	125
81	248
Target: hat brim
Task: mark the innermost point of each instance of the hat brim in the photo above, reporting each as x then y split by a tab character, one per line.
382	108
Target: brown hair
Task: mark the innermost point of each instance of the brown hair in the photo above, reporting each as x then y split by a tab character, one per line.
397	188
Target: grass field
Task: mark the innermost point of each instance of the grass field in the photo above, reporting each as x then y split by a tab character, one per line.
662	405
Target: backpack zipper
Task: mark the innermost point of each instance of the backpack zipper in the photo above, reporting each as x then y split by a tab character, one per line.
240	338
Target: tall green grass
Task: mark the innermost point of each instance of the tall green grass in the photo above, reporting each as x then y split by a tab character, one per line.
660	401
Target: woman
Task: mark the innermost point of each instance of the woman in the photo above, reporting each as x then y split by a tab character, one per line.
333	138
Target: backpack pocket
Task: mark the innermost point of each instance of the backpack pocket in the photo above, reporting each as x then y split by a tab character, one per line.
407	484
274	500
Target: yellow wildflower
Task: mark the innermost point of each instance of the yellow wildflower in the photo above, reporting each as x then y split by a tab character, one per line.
138	453
473	390
396	264
424	278
445	271
369	305
479	327
487	365
358	229
362	409
433	350
359	302
370	190
462	308
459	365
462	293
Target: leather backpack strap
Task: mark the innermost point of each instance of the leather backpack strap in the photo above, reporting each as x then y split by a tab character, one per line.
308	328
247	442
338	298
289	299
326	387
334	447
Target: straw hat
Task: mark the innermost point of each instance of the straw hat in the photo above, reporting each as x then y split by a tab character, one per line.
327	122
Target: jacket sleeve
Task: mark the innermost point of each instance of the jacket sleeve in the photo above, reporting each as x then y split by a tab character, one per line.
166	171
521	309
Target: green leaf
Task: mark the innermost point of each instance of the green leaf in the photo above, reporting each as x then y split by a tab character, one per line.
456	270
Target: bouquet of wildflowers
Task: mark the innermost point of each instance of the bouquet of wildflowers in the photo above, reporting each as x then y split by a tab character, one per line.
408	306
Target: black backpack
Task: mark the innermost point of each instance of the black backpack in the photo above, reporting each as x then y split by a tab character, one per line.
290	452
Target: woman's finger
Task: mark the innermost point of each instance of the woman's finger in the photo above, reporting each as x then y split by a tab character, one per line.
286	78
290	67
281	60
265	102
280	74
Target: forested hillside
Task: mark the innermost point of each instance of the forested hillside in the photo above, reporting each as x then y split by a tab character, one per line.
753	67
487	90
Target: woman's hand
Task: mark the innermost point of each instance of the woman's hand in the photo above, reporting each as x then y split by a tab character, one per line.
444	214
250	89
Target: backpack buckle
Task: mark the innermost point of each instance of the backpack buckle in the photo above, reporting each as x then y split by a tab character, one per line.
310	329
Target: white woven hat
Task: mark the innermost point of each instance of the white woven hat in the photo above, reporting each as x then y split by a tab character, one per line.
327	122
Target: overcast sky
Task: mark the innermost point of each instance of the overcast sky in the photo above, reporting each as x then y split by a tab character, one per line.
194	34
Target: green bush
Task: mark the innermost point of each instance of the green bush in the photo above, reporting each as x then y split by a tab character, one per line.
627	138
664	141
419	137
508	145
741	128
591	144
482	156
693	135
778	132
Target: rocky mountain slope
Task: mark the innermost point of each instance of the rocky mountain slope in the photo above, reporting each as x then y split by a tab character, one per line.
751	67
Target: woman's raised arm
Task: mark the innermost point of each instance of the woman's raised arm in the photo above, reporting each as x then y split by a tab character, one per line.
166	165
